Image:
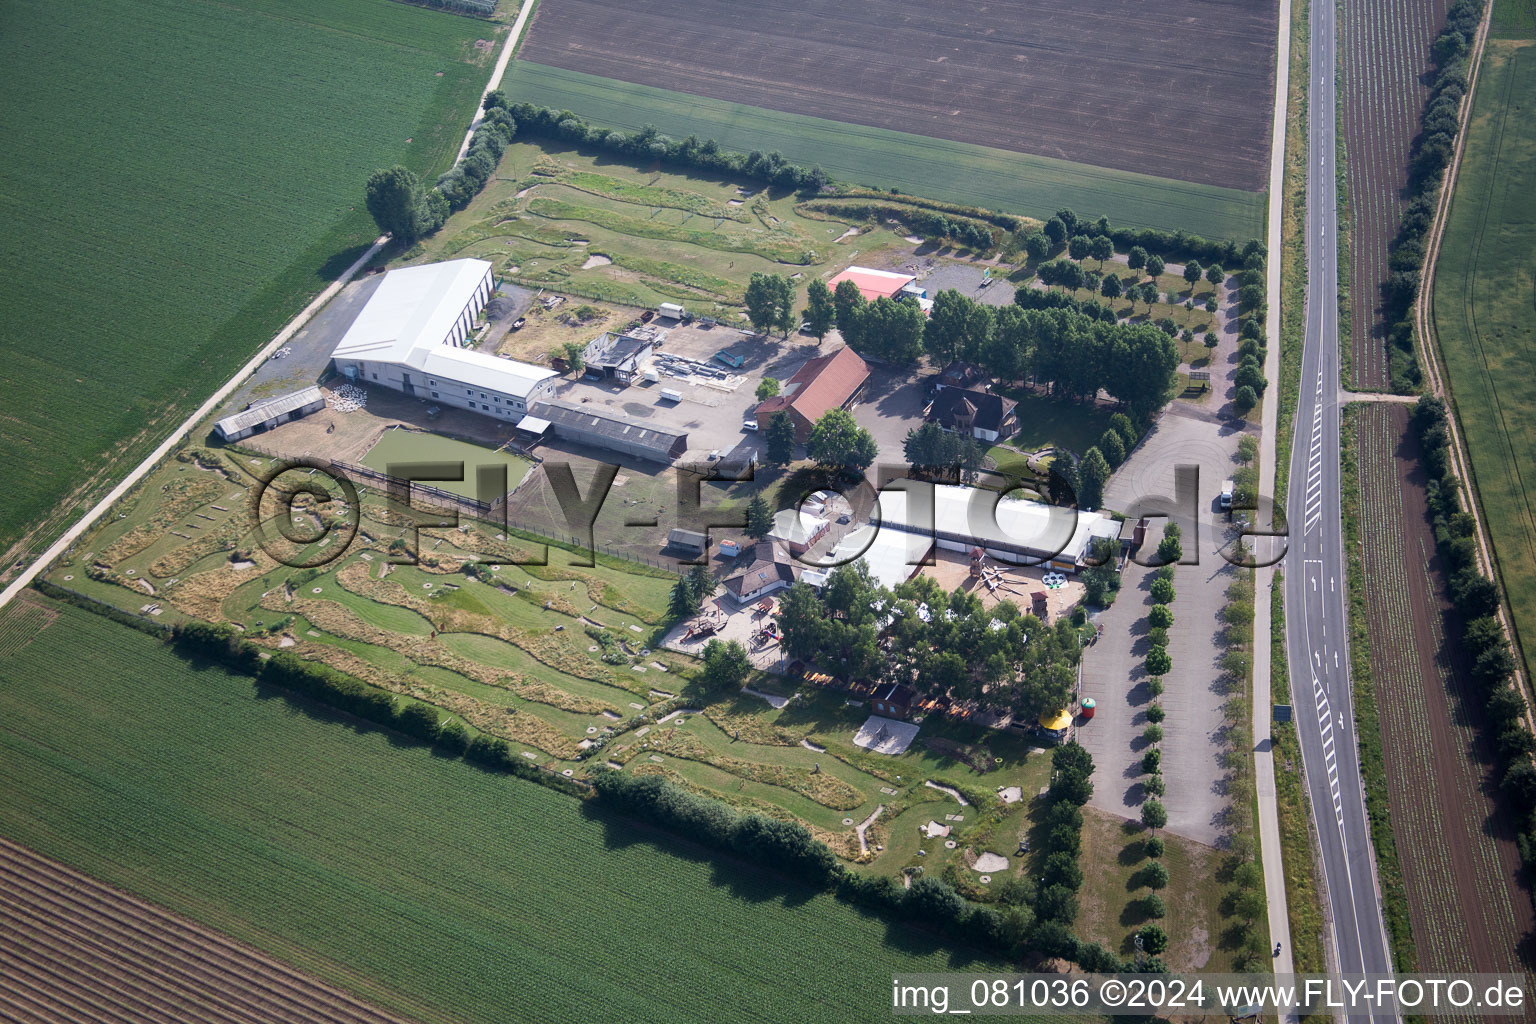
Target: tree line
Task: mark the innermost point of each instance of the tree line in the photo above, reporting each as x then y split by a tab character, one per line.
1484	640
324	685
401	206
1433	148
1020	924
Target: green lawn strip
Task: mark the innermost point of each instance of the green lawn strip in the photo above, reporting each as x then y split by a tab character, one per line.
488	650
1483	298
1046	421
1373	770
1110	900
184	289
1293	268
442	892
1304	908
735	790
776	248
936	168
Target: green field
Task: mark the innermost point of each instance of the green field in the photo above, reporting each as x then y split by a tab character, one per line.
417	881
179	176
400	446
937	168
1485	291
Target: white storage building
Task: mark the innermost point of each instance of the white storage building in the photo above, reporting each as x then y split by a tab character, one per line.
407	337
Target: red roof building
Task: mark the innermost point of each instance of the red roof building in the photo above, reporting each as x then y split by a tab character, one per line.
873	284
824	383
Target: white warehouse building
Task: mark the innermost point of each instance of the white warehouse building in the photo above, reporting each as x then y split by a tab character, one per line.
407	337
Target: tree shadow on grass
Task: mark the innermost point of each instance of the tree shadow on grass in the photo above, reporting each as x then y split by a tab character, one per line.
338	263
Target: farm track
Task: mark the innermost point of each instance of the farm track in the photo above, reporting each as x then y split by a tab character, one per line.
1384	50
72	949
1109	87
1468	908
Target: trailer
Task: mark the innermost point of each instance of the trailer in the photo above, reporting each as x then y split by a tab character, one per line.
671	310
670	395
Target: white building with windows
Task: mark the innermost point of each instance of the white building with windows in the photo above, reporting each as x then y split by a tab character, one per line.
408	338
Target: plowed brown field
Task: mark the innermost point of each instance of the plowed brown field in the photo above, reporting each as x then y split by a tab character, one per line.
1180	90
1468	907
72	949
1384	54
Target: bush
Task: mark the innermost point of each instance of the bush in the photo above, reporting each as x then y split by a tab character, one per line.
1155	686
1157	636
453	738
1153	733
1152	906
1153	846
1160	616
1155	786
1151	762
1154	875
1162	591
1155	713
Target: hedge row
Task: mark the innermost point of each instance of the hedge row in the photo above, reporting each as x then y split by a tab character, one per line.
931	224
1432	151
929	902
1483	638
325	685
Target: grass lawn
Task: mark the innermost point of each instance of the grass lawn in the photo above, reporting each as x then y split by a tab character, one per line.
974	175
150	255
1045	421
1484	294
408	446
1113	859
417	881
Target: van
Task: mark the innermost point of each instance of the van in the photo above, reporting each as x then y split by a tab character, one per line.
669	395
1227	488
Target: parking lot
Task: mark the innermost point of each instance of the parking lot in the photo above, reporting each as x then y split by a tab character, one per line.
893	404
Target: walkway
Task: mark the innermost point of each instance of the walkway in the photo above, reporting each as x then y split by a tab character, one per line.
507	50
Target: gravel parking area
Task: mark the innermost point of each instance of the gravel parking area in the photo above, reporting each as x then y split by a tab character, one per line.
893	404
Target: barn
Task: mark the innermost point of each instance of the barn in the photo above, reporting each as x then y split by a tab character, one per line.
409	336
824	383
264	415
584	426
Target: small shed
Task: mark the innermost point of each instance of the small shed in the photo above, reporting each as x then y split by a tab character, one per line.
689	542
894	699
264	415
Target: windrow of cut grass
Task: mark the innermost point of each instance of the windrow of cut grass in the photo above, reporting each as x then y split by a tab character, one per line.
436	890
176	180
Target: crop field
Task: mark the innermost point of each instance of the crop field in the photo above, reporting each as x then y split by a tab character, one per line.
962	172
419	883
1028	76
1483	297
1460	868
1383	57
76	949
148	256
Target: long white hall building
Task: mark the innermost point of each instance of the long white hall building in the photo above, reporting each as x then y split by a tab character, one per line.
408	338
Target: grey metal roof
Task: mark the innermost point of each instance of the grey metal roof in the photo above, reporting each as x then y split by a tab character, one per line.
269	409
577	418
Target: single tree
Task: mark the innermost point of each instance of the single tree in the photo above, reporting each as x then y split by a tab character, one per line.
1159	663
1055	232
1102	248
1154	815
1215	274
849	304
1110	286
820	311
1244	400
837	440
779	442
1160	616
1247	449
1091	474
1136	258
1079	247
767	388
1162	591
1154	265
394	199
1037	246
726	665
1154	875
759	517
1153	939
1149	294
770	302
575	357
1112	448
701	583
1192	274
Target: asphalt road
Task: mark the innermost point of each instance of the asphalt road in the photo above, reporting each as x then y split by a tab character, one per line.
1316	593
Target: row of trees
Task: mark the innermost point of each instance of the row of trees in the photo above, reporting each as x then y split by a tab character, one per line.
857	629
1433	148
1061	877
403	207
1483	637
1066	230
325	685
649	144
